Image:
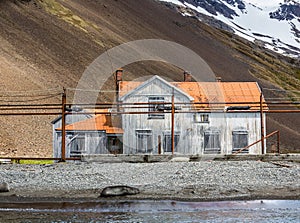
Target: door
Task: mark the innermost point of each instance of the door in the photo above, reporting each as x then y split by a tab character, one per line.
167	145
144	142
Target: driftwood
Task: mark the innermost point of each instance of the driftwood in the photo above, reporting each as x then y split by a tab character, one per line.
281	164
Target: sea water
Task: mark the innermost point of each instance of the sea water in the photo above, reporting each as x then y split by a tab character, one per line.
153	211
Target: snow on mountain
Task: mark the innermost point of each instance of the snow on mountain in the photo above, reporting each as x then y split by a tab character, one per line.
274	23
265	4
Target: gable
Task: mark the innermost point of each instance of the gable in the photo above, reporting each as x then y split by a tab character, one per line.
155	86
232	93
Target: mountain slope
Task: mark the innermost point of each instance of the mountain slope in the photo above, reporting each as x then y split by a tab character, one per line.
47	44
275	23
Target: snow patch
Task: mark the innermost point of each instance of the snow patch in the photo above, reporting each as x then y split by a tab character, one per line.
254	22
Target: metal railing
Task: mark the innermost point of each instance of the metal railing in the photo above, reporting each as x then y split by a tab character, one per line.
19	109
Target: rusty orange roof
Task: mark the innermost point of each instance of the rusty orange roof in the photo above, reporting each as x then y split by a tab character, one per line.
100	122
232	93
127	86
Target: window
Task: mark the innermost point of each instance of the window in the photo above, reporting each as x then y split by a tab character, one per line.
114	145
167	144
212	142
155	106
201	118
240	140
144	141
77	145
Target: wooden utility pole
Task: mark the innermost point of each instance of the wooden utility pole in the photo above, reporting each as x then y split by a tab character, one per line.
172	123
63	126
262	124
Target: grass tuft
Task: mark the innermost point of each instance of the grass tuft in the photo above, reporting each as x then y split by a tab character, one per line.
57	9
32	162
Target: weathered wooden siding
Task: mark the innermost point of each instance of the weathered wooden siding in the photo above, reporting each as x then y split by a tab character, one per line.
57	124
191	134
159	127
94	143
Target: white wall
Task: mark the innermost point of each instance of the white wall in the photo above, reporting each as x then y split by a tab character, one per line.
191	133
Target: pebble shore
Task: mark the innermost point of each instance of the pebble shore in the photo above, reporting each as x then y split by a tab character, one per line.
205	180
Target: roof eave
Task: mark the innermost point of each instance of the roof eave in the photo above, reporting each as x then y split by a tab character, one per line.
149	81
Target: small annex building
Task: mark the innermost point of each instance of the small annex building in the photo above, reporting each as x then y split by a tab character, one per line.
57	123
95	135
210	118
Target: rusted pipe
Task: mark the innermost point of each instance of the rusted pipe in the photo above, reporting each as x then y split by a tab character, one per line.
283	111
30	158
29	108
30	105
252	144
30	113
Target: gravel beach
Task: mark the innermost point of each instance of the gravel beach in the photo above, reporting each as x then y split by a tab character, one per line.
197	181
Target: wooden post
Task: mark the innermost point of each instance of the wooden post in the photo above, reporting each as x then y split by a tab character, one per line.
63	127
172	124
278	142
262	125
159	144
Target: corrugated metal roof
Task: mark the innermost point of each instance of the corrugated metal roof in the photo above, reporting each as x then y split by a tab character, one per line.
229	92
100	122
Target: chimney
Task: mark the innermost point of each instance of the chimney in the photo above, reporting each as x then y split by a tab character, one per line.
119	74
187	77
118	78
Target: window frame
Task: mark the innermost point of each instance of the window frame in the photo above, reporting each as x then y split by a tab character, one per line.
201	117
242	143
141	135
79	141
168	143
155	107
214	143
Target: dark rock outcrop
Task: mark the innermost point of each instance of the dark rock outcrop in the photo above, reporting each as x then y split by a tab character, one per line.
4	187
119	191
214	7
286	12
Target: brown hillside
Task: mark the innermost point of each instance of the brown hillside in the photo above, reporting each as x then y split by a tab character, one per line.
47	44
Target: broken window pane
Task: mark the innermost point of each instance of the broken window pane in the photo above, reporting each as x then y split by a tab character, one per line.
155	105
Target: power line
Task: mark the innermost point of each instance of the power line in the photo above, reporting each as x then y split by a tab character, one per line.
30	100
46	90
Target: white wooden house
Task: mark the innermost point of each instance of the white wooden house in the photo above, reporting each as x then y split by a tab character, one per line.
201	124
198	129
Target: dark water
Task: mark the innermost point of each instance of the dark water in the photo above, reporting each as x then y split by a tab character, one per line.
153	211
